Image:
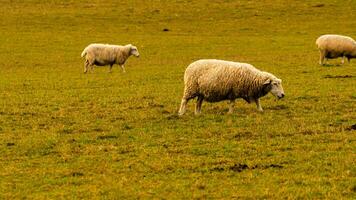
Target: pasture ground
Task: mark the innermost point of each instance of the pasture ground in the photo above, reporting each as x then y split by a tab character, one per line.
65	134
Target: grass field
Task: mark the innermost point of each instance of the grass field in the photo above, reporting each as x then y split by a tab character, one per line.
69	135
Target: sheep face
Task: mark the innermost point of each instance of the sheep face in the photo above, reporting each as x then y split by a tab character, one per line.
276	87
134	51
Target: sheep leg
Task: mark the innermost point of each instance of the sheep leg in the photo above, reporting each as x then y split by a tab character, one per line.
187	95
123	68
86	64
91	67
348	59
198	106
258	104
110	68
343	60
231	106
183	106
322	56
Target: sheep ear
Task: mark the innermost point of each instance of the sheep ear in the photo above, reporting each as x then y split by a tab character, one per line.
267	82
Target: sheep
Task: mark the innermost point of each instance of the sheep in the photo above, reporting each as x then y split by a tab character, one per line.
217	80
334	46
106	54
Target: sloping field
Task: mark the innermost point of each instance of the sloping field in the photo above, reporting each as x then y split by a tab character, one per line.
69	135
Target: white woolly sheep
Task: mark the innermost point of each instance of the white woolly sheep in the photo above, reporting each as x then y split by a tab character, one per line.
106	54
334	46
218	80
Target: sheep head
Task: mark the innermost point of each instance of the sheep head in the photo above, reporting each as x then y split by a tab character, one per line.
275	87
134	51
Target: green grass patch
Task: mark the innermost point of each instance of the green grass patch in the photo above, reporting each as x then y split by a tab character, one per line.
65	134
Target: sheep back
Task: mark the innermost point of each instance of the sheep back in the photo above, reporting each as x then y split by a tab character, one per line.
218	80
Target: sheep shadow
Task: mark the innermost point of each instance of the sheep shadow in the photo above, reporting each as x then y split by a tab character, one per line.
338	76
331	65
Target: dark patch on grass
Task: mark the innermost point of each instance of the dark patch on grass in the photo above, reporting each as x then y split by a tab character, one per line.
201	187
127	127
136	108
72	140
307	132
156	105
352	127
353	189
246	134
106	137
117	119
28	114
218	169
175	151
286	149
165	30
241	167
98	129
165	112
47	152
172	117
279	107
319	5
268	166
156	11
10	144
338	76
220	119
76	174
238	167
66	131
124	151
41	125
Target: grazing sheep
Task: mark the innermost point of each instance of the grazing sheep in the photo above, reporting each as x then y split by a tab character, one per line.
106	54
334	46
217	80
